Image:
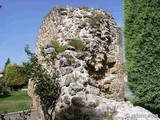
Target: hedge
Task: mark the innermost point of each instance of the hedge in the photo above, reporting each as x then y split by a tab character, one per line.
142	47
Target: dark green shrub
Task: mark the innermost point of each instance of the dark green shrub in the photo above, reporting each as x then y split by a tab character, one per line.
78	44
5	92
13	77
142	44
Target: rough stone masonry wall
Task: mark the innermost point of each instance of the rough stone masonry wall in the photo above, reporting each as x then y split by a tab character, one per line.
95	77
101	56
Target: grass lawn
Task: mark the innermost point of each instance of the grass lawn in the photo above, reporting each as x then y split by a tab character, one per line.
15	101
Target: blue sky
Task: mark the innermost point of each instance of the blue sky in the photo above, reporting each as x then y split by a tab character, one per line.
20	21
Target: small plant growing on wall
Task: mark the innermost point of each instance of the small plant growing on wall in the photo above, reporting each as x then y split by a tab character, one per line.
53	55
78	44
94	19
69	58
58	48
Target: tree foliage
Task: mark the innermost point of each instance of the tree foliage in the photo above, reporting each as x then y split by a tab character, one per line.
142	44
47	87
26	70
13	77
7	62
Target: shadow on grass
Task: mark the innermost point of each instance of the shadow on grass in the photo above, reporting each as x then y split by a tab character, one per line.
4	96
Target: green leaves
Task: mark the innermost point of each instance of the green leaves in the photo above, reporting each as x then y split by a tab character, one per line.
58	48
13	77
47	87
142	44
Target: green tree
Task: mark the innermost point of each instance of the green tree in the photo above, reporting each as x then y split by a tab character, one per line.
47	87
13	77
142	44
26	71
7	62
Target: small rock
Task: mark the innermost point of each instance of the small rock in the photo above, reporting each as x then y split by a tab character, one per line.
83	81
79	101
79	55
63	12
109	79
71	48
64	62
98	34
61	105
75	88
92	90
70	16
57	72
81	26
91	102
49	50
82	70
114	71
114	86
85	36
69	79
76	64
63	71
69	70
85	65
64	90
111	47
86	16
78	16
111	59
72	93
66	99
103	38
48	46
59	56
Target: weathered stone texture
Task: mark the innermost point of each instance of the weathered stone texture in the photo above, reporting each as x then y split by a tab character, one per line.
101	55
